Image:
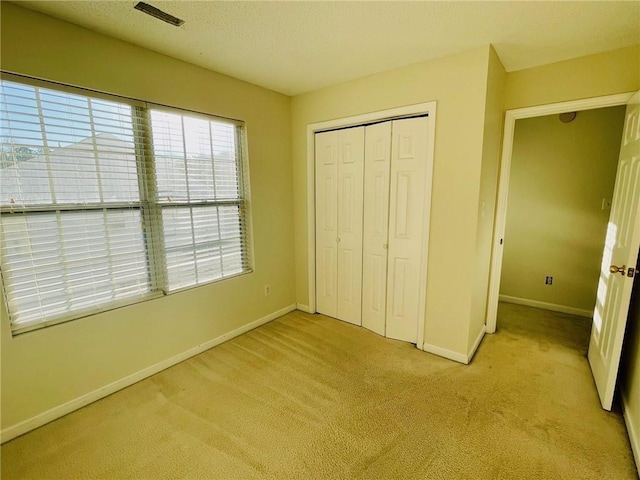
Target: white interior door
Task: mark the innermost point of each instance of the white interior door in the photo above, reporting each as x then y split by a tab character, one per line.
406	219
327	151
618	262
377	160
350	206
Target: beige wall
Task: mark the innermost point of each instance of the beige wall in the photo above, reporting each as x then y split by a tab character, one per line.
459	85
560	173
606	73
491	145
46	368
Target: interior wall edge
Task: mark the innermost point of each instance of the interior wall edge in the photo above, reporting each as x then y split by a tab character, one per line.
488	194
54	413
547	306
476	344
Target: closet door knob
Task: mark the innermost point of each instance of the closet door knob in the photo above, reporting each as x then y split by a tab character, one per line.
385	246
338	239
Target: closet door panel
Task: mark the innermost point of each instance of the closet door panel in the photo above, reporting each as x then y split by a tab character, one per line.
375	226
406	216
350	197
327	153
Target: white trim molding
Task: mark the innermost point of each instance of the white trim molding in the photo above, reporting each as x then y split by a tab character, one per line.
455	356
476	344
43	418
443	352
427	108
503	183
554	307
632	430
304	308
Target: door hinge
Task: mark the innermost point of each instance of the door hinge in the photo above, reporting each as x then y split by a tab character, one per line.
631	272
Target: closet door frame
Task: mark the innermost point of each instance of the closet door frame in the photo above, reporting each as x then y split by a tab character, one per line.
428	108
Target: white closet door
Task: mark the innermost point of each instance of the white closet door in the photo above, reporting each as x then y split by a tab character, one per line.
327	152
406	216
377	161
350	191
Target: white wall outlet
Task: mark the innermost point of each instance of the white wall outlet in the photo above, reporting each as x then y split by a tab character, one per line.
548	280
267	290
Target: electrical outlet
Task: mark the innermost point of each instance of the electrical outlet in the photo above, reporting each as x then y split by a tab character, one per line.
548	280
267	290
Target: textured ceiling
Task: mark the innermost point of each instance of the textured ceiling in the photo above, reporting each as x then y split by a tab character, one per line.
295	47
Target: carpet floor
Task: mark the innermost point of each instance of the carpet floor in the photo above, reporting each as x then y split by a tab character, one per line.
309	397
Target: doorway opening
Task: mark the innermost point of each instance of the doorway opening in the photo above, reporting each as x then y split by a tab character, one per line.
505	170
562	177
612	296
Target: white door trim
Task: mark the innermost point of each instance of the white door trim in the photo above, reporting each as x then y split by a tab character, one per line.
390	114
503	186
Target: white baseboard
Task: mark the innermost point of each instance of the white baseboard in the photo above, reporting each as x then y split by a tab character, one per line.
547	306
304	308
56	412
633	432
476	344
455	356
443	352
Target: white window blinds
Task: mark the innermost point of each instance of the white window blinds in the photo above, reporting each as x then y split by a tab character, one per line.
200	193
105	202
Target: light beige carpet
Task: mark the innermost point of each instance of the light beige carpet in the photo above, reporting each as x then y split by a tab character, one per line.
310	397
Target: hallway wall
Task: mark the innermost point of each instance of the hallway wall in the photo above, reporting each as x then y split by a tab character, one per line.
556	224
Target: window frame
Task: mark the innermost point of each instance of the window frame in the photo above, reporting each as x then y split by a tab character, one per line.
149	205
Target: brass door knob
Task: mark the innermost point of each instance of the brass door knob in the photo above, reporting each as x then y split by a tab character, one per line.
621	270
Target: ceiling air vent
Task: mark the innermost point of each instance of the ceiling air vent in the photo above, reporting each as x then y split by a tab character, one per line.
156	12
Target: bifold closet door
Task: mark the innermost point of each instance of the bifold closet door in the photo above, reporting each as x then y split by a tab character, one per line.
339	204
327	223
377	161
406	221
393	237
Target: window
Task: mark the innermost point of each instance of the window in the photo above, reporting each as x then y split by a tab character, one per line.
106	202
199	196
